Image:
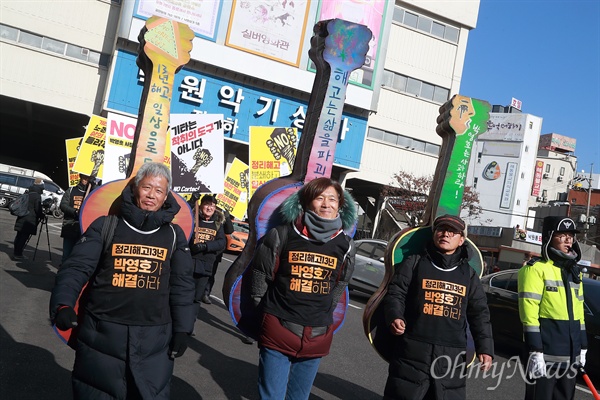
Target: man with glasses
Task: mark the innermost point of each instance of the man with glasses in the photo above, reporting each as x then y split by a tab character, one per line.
429	301
552	314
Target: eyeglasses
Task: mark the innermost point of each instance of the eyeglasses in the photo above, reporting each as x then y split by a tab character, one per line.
563	237
447	231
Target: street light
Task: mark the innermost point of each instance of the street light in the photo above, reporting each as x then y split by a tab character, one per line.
589	220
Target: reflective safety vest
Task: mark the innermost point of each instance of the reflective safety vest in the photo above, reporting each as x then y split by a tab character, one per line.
551	311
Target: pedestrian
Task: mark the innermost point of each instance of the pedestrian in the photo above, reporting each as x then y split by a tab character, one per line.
206	243
429	301
227	230
139	300
70	205
299	272
26	226
552	313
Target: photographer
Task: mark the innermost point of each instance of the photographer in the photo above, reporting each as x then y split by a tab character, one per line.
27	224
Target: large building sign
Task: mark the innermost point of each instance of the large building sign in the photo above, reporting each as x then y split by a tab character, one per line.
242	106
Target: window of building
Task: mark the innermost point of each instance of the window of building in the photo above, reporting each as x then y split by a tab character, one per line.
548	168
52	45
402	141
562	171
475	183
426	24
544	193
375	133
415	87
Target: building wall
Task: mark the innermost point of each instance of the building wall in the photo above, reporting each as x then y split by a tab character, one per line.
416	54
34	74
501	170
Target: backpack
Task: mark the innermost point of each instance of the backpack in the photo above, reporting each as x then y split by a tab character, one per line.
20	206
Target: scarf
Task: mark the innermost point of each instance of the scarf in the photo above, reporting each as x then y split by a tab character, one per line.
567	261
321	229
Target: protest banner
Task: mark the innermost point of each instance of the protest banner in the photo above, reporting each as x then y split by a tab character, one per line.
197	153
235	194
72	146
272	154
90	159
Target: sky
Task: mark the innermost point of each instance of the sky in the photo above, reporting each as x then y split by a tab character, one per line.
545	53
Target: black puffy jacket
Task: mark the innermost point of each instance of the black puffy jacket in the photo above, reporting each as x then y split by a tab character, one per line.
106	345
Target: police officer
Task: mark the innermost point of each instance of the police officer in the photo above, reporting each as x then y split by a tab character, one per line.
551	310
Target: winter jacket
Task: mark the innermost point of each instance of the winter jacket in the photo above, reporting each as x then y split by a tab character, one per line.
211	233
552	312
287	268
70	205
139	293
432	299
28	223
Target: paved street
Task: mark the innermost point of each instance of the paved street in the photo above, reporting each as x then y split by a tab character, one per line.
35	364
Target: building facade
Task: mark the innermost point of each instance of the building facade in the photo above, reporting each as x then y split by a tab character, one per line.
63	62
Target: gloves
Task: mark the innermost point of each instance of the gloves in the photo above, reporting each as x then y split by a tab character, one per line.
178	344
536	366
582	357
199	247
65	318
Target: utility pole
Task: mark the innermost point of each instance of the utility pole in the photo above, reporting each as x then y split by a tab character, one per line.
589	198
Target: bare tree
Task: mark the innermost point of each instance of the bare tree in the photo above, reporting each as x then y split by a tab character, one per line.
408	196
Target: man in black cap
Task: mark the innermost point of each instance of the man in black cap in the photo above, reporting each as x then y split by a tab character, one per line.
429	301
206	243
552	313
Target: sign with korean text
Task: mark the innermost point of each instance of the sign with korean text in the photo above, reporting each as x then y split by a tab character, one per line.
516	103
72	146
90	159
509	185
242	106
119	142
235	194
503	126
197	153
533	237
271	29
537	178
201	16
368	13
272	154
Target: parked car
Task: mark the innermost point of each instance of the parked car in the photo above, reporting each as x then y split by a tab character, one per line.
502	297
237	240
14	181
369	267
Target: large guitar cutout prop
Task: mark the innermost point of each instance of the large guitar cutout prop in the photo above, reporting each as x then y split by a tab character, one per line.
164	48
338	47
460	121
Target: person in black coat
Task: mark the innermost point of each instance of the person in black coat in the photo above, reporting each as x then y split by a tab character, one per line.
139	301
207	242
70	204
26	226
429	301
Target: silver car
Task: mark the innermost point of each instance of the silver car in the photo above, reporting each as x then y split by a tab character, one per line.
369	267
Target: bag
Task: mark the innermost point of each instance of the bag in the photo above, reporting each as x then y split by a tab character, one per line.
20	206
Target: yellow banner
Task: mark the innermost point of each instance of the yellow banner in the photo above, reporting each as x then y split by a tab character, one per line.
90	158
272	154
72	146
235	195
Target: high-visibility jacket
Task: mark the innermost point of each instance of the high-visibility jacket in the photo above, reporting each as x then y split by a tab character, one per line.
551	311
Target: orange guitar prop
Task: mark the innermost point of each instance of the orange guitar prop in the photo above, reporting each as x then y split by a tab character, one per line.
164	48
460	121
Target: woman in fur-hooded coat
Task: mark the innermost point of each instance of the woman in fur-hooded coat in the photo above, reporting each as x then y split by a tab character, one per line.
300	271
